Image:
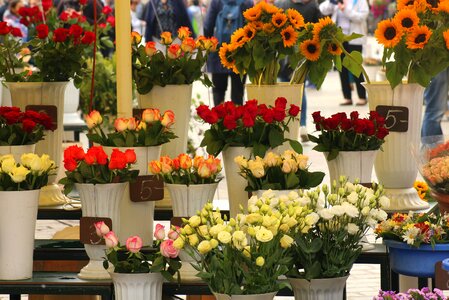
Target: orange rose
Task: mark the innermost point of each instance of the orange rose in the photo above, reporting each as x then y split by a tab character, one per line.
136	38
168	118
121	124
150	48
151	115
166	38
185	161
184	32
197	161
176	163
174	51
188	44
132	124
204	171
154	167
214	41
93	119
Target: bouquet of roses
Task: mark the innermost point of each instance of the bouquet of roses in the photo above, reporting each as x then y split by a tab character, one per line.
30	173
22	128
187	171
151	130
177	64
278	172
412	294
250	125
340	133
94	166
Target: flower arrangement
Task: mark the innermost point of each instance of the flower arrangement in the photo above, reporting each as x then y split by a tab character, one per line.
271	34
31	173
151	130
422	189
95	167
12	51
415	229
185	170
250	125
340	133
416	41
128	258
176	64
22	128
278	172
412	294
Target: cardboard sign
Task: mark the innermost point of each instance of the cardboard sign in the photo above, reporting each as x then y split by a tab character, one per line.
88	234
396	117
441	277
146	188
177	221
50	110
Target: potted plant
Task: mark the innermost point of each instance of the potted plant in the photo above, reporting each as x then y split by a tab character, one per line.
100	180
281	173
136	275
160	74
349	144
20	183
412	294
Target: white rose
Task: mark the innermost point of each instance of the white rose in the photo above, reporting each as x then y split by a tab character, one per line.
293	195
350	210
224	237
326	214
311	219
384	202
353	197
337	210
352	228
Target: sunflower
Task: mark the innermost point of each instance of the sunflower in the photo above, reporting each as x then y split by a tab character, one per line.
249	32
224	53
295	18
310	49
420	5
444	7
268	28
257	25
334	49
433	4
418	38
407	19
401	4
253	13
421	185
279	19
238	38
321	25
446	38
388	33
289	36
269	8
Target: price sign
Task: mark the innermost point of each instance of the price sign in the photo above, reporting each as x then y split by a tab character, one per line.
146	188
50	110
137	113
396	117
177	221
88	234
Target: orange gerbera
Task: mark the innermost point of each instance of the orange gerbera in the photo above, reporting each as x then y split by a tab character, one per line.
321	25
388	33
407	19
238	38
311	49
224	53
253	13
401	4
278	19
418	38
334	49
446	38
295	18
268	28
249	32
289	36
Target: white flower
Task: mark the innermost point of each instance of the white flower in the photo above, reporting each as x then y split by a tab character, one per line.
293	195
352	228
350	210
337	210
366	210
264	235
353	197
350	186
311	219
384	202
326	214
304	201
269	194
410	235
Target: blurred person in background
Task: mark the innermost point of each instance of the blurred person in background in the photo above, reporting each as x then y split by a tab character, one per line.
3	8
12	17
196	16
137	24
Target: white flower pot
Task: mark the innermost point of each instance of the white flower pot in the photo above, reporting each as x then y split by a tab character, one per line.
137	286
44	93
267	296
137	218
318	289
17	150
100	200
236	184
352	164
394	166
177	98
17	226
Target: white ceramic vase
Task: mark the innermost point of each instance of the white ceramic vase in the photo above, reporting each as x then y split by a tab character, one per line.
267	296
137	286
352	164
236	184
44	93
17	150
17	226
137	218
395	168
318	289
100	200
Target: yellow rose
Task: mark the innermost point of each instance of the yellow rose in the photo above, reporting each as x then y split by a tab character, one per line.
36	164
193	240
264	235
47	163
188	230
213	243
260	261
302	161
241	161
8	164
195	221
204	247
289	166
257	168
286	241
272	159
179	243
238	236
203	231
18	174
27	158
6	156
224	237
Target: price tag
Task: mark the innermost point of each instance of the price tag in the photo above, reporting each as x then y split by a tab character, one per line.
396	117
50	110
146	188
88	234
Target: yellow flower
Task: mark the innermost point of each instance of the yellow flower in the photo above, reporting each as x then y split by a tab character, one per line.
295	18
195	221
286	241
321	25
179	243
268	28
27	158
203	231
8	164
446	38
193	240
278	19
225	53
407	19
19	174
257	168
204	247
264	235
136	38
213	243
224	237
289	36
253	13
388	33
238	38
419	37
238	235
310	49
260	261
253	218
247	252
249	32
166	38
334	49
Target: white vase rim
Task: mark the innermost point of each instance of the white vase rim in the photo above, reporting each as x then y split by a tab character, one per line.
199	184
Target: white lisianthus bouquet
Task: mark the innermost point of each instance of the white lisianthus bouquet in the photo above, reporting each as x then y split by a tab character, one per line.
30	173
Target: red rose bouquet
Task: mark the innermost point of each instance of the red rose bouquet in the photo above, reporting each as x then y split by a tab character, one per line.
95	167
250	125
22	128
340	133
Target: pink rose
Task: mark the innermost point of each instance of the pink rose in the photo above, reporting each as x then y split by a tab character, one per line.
110	239
134	244
168	250
159	232
173	234
101	228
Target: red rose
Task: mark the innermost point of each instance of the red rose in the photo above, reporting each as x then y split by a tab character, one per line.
4	28
359	126
46	121
75	30
24	11
74	152
100	155
102	25
111	20
345	124
261	109
16	32
382	132
280	102
229	122
220	110
339	117
279	113
237	112
42	31
130	156
64	16
70	165
248	120
12	117
268	116
354	115
89	159
294	110
60	35
88	38
47	4
107	10
370	129
82	2
229	106
7	109
118	160
251	107
28	125
330	123
202	111
211	117
317	118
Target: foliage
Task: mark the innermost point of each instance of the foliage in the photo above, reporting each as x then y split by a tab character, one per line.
412	294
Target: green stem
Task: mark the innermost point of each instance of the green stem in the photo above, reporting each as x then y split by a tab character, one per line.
336	41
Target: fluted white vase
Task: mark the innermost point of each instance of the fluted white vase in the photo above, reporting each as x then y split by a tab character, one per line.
137	286
352	164
267	296
318	289
17	150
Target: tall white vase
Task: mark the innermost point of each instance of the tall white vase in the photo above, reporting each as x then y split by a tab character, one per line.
44	93
137	218
352	164
267	296
100	200
17	150
395	168
17	225
318	289
137	286
236	184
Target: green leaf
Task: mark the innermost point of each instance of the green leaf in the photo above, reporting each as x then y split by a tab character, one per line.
296	146
292	181
259	149
275	137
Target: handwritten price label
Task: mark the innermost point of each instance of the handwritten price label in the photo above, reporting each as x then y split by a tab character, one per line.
396	117
88	234
146	188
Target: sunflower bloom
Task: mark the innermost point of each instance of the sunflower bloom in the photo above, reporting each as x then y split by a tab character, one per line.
388	33
224	53
269	8
407	19
310	49
253	13
289	36
401	4
268	28
334	49
257	25
418	38
443	6
249	32
421	185
295	18
433	4
420	5
320	25
446	38
238	38
278	19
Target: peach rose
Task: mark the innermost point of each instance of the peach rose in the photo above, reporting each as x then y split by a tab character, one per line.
173	234
110	239
185	161
188	45
168	118
150	48
101	228
168	250
93	119
134	244
159	232
174	51
132	124
151	115
154	167
121	124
